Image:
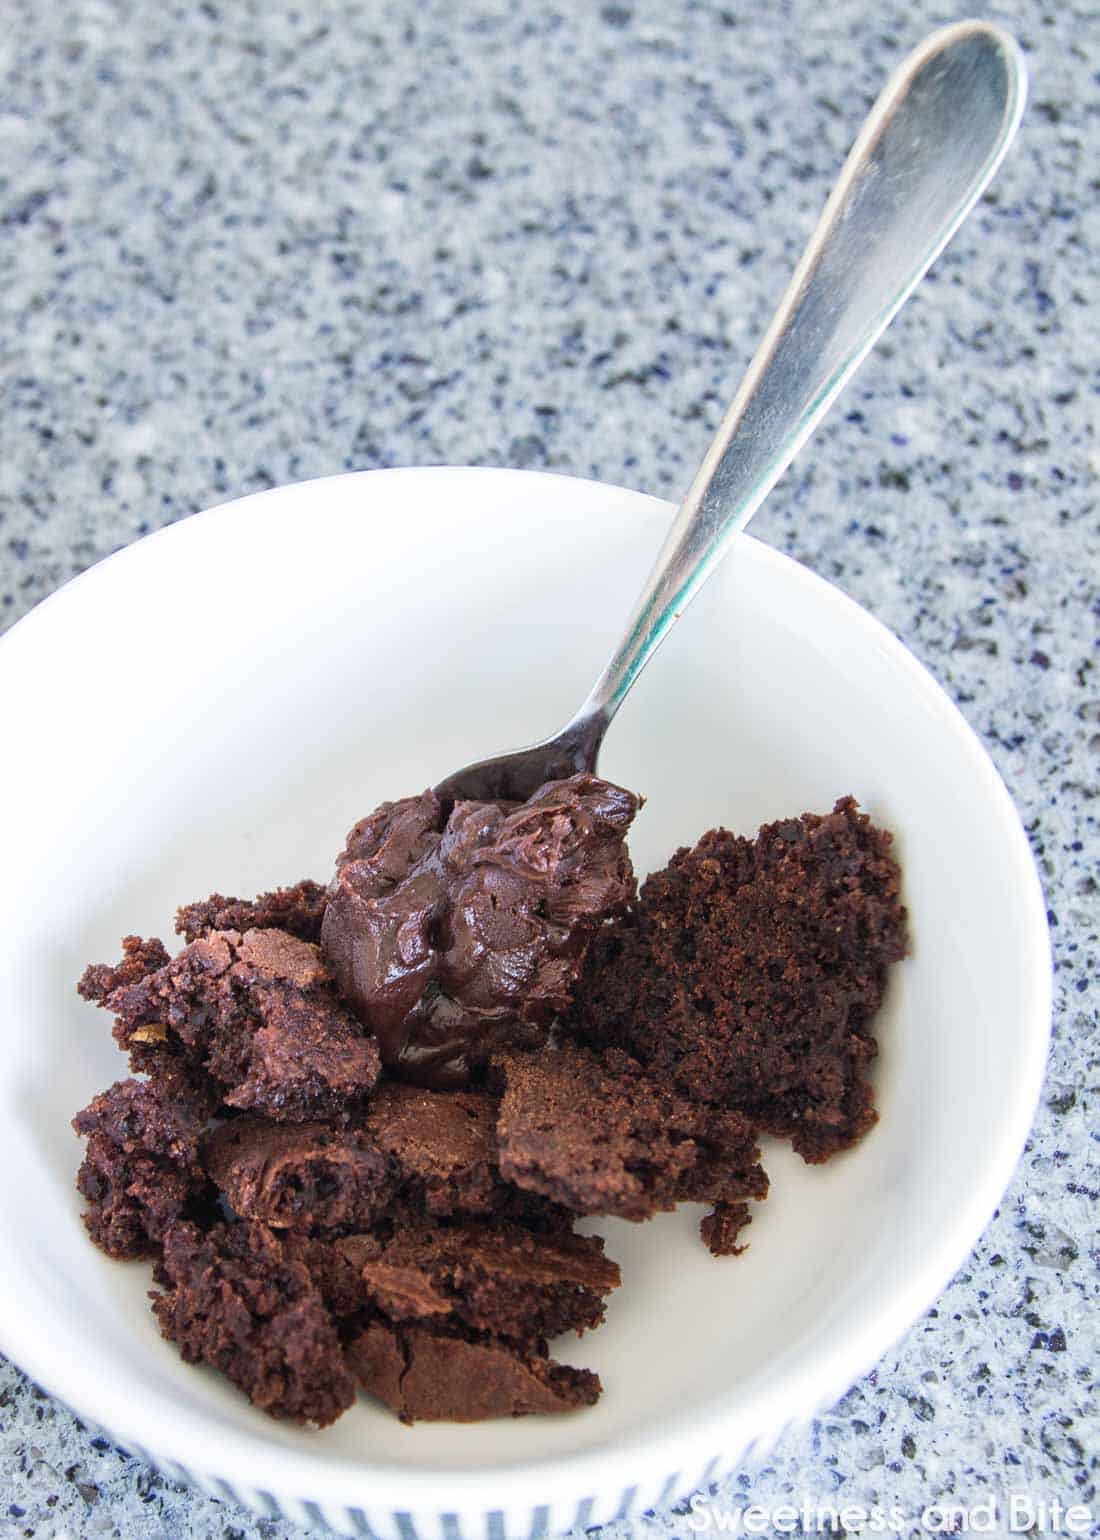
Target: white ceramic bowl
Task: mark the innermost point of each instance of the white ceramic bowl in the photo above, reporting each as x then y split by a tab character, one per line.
214	706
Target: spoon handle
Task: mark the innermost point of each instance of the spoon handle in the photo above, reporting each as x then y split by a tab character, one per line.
928	149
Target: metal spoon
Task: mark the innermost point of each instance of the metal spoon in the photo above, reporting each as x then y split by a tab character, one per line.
928	149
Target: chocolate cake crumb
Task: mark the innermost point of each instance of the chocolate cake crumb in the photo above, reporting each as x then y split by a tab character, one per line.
255	1017
233	1300
297	910
426	1374
749	973
722	1226
139	958
602	1137
443	1145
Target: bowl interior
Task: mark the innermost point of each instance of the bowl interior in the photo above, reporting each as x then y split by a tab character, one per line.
214	707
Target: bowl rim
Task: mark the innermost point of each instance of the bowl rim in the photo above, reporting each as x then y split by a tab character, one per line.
684	1442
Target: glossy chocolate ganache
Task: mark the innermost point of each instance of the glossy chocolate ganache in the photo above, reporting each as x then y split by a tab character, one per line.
452	934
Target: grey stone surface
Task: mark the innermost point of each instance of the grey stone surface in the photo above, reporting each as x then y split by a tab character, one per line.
247	243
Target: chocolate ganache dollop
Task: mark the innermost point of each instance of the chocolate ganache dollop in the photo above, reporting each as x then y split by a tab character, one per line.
451	935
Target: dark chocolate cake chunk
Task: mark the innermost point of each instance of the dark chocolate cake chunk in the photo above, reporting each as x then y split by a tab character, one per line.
429	1374
334	1271
256	1018
442	1144
300	1175
489	1276
298	910
165	1117
141	1170
749	974
133	1199
452	933
308	1057
601	1136
233	1300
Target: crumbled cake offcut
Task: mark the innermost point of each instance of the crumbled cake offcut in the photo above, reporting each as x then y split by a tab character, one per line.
749	973
427	1374
627	1146
252	1018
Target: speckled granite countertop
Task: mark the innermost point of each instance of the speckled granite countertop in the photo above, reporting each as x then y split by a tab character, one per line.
243	244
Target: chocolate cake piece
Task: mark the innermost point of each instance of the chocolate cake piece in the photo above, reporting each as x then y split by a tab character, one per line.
335	1274
749	974
256	1018
233	1300
492	1277
601	1136
455	931
141	1170
298	910
166	1117
309	1057
300	1175
442	1144
432	1375
133	1199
